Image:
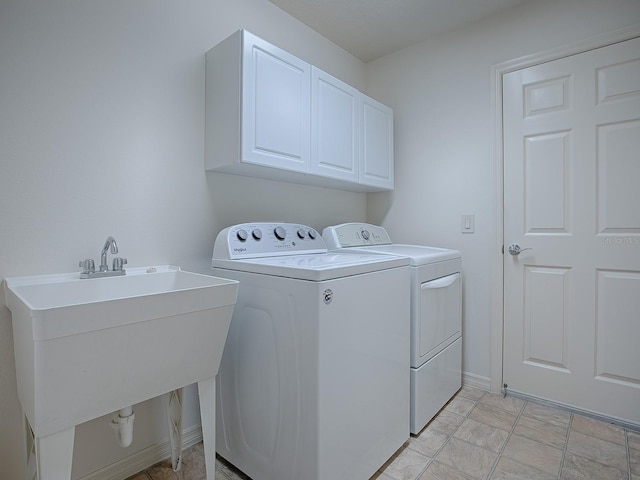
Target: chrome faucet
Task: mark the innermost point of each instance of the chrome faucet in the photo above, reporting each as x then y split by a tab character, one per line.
111	242
88	265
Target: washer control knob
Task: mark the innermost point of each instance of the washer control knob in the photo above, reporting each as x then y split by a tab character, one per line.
256	234
312	234
365	234
242	235
280	233
301	233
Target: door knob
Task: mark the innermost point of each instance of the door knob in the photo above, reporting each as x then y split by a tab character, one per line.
515	249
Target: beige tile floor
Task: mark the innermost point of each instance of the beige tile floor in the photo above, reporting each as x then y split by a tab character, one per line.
479	435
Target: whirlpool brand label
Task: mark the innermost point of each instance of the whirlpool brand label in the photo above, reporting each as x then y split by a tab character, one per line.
327	296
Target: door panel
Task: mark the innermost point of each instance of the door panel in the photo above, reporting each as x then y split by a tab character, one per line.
546	316
546	174
571	176
618	173
618	328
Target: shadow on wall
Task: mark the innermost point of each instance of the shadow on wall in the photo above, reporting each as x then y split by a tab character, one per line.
378	206
238	199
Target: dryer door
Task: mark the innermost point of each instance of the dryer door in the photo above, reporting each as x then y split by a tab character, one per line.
440	321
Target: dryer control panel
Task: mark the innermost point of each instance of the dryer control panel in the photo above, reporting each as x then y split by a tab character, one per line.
264	239
355	235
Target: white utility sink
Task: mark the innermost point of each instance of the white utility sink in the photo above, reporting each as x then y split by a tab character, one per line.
87	347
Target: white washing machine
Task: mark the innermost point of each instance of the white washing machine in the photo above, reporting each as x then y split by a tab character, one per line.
436	313
314	380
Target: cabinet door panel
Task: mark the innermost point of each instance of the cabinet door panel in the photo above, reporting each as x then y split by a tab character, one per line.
276	107
376	159
335	127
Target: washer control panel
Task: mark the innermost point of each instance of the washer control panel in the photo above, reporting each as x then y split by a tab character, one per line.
355	235
263	239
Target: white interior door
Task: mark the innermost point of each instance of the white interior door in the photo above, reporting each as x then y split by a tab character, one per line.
572	195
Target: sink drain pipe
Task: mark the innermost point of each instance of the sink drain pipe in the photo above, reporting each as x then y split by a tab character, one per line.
122	424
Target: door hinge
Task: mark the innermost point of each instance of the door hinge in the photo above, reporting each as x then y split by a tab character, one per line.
503	249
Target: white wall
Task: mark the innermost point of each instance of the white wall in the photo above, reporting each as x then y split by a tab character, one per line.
441	94
102	133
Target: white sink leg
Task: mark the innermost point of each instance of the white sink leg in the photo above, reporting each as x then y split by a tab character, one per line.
207	394
54	455
174	417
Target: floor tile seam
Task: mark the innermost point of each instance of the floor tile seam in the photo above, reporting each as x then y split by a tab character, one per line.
517	414
608	439
497	455
469	398
591	459
409	447
452	435
566	445
406	446
431	459
223	473
599	439
513	427
546	421
544	444
454	469
424	469
449	437
601	464
626	441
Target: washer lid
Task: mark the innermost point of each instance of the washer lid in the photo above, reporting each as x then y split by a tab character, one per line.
315	267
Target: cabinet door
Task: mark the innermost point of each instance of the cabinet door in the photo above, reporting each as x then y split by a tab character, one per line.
335	127
276	98
376	158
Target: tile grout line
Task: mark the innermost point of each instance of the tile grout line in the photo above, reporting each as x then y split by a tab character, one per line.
566	446
472	404
626	441
437	451
465	417
449	435
513	427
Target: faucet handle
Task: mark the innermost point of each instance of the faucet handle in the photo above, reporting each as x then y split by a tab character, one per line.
118	262
88	266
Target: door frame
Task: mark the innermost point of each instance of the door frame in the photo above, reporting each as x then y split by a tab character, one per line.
497	71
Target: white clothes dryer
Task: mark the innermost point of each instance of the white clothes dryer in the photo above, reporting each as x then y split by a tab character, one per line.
313	382
436	313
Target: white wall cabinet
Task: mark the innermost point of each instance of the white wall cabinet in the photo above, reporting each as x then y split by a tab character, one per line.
271	115
258	104
335	127
376	155
275	106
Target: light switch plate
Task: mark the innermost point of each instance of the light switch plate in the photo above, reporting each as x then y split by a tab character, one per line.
468	223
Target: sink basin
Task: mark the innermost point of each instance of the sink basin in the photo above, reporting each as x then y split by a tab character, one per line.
85	348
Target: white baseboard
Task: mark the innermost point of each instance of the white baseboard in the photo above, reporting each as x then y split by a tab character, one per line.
576	410
477	381
144	458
